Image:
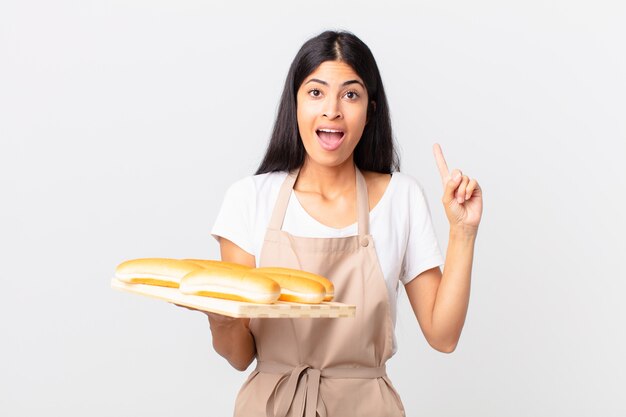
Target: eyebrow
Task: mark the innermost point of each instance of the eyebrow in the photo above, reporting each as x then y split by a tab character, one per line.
344	84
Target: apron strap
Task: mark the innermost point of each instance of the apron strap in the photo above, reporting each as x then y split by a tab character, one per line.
302	389
362	207
362	204
280	208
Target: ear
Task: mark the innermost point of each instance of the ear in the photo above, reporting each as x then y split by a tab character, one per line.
370	109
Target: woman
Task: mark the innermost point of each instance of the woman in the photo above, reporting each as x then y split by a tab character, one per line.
328	198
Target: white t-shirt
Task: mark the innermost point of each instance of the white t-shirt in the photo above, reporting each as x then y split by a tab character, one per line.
400	225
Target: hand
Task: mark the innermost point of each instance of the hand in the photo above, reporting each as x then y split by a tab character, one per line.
462	198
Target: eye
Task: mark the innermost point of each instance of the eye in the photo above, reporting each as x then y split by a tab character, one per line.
315	92
352	95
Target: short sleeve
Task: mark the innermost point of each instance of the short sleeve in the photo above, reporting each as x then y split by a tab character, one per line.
423	251
235	220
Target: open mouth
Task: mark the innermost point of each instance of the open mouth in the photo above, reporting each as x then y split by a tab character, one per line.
330	139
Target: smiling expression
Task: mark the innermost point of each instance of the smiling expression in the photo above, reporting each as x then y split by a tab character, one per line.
332	113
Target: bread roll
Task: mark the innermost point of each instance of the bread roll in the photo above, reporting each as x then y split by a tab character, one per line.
232	284
328	285
163	272
208	263
296	289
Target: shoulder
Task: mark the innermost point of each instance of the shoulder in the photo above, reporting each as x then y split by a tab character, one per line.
268	181
411	188
407	181
406	195
245	208
397	183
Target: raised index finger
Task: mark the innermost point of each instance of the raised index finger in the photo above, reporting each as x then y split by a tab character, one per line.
441	162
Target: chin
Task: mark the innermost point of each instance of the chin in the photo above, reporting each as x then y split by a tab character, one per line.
328	161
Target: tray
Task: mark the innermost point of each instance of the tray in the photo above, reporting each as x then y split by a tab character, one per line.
239	309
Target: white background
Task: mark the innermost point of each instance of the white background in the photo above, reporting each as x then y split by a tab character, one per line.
122	123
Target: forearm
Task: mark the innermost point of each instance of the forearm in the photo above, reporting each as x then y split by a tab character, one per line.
234	341
452	299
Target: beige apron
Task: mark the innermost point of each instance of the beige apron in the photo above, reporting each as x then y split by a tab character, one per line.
331	367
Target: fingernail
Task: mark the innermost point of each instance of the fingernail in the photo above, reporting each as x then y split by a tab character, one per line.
456	176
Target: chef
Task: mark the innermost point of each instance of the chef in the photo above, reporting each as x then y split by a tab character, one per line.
329	198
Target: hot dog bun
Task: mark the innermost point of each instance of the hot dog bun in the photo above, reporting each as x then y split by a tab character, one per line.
328	285
208	263
163	272
297	289
232	284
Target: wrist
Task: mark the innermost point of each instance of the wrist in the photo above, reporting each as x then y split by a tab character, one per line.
463	232
220	323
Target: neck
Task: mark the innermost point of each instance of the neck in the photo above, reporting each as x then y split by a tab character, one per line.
325	180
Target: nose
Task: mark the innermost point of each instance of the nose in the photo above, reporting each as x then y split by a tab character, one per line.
332	110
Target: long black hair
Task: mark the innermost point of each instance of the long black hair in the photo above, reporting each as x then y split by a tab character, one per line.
375	150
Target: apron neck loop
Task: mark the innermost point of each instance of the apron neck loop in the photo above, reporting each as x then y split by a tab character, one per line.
362	203
280	208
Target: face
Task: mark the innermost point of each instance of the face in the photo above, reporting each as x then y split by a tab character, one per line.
332	112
